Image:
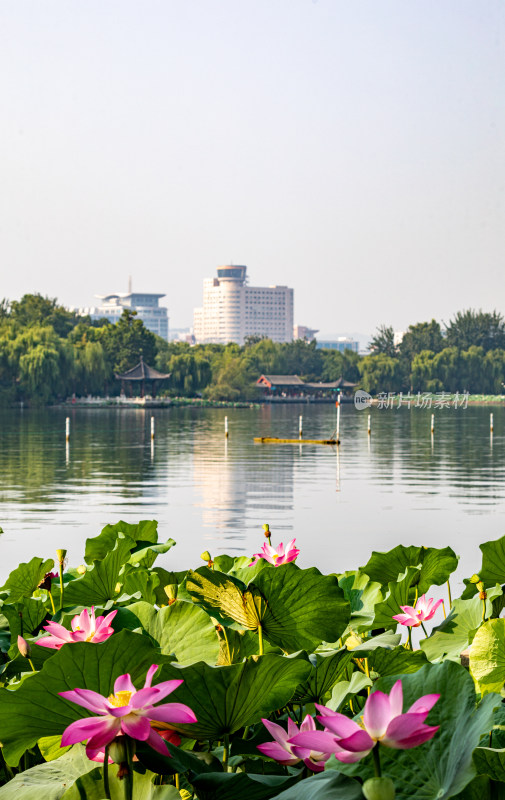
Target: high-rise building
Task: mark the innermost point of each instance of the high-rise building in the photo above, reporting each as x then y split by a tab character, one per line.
154	316
232	310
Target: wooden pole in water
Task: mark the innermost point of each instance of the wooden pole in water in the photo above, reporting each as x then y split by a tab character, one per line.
226	427
300	426
491	427
433	423
369	425
67	429
338	421
152	427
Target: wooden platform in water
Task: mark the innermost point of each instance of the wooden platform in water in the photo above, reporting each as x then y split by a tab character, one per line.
271	440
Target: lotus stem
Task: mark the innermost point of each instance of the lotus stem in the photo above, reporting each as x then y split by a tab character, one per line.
61	585
128	778
443	607
106	787
367	673
409	641
449	593
226	751
484	610
424	629
376	761
52	602
177	781
260	638
227	644
31	664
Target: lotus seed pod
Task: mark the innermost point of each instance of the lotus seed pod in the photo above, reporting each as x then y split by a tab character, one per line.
23	647
185	795
81	569
171	591
117	750
61	555
117	587
266	527
480	586
206	556
475	579
379	789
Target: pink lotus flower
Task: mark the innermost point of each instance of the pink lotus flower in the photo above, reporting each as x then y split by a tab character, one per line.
423	611
127	711
85	628
283	752
276	556
382	722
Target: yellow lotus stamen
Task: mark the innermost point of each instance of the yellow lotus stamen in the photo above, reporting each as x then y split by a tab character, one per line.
275	556
120	699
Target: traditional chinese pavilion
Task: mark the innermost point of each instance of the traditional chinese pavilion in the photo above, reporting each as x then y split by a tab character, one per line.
142	373
290	386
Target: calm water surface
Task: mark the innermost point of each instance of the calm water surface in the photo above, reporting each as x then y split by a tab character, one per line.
208	493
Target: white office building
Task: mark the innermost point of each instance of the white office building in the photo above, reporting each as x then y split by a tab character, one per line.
154	316
232	310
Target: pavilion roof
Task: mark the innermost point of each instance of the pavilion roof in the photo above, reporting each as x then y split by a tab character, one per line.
143	372
280	380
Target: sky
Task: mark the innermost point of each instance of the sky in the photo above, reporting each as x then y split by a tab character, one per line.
352	150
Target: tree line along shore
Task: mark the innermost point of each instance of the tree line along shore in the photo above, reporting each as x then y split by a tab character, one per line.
48	354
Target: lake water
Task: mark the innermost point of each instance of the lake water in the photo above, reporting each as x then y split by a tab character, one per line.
399	486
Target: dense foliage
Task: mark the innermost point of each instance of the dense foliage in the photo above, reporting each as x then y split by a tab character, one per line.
243	651
48	354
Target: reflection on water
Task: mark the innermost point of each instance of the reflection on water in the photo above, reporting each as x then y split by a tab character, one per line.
398	485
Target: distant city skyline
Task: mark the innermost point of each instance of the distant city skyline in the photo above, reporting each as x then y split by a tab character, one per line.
354	150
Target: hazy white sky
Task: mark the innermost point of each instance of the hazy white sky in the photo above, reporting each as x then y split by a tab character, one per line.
354	150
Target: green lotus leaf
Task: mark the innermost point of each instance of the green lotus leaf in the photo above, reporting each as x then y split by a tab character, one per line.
144	531
343	690
454	634
490	762
329	668
98	584
51	749
493	561
482	788
387	640
487	656
228	698
50	780
144	554
226	786
166	579
35	709
23	580
26	617
303	607
235	645
436	565
442	767
397	661
136	580
91	787
324	786
398	595
182	628
363	595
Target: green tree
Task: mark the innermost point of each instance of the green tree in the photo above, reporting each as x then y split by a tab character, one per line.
419	337
383	343
380	373
33	309
126	341
479	328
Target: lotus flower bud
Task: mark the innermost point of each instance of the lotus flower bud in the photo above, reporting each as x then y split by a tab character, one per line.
117	587
475	579
379	789
171	591
23	647
61	555
82	569
206	556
